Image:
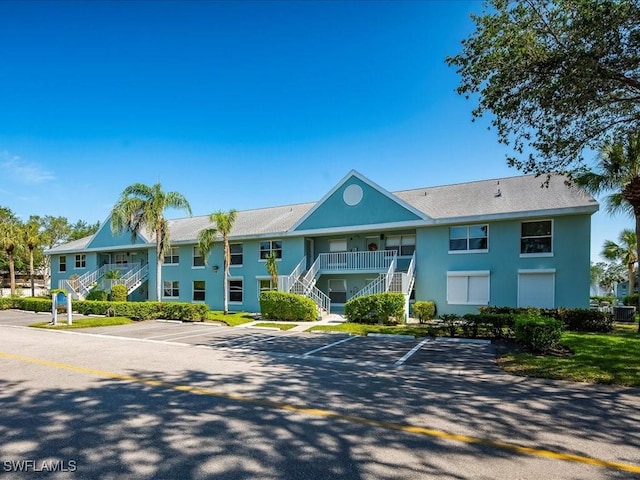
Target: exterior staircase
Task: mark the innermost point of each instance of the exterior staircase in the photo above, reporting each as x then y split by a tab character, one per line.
131	276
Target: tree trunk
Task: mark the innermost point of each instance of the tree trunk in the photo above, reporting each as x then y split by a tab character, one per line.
31	273
158	275
12	272
636	210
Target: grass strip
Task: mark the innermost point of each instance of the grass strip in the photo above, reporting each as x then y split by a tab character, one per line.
84	323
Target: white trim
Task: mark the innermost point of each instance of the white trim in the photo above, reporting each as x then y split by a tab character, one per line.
204	290
533	271
469	273
229	280
366	181
553	234
463	252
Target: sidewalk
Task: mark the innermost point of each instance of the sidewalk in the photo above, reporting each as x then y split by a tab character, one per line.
331	319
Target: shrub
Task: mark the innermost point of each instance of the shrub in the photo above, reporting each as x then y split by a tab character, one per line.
631	300
600	298
6	303
450	323
99	295
536	332
33	304
184	311
496	325
376	308
424	310
584	320
118	293
287	306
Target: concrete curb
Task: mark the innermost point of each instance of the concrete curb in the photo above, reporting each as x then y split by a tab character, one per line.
391	335
463	340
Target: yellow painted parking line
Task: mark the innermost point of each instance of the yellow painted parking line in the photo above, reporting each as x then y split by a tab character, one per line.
512	447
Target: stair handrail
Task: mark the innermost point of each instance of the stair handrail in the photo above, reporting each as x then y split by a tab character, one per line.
312	274
285	283
389	276
135	277
411	273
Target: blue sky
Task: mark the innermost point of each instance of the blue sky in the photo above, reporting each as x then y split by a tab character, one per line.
235	104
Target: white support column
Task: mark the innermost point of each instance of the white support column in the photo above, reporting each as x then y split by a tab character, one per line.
69	310
54	309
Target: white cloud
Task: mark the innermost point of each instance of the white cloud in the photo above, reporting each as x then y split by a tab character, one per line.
12	166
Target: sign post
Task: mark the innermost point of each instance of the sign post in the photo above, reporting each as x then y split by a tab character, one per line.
61	299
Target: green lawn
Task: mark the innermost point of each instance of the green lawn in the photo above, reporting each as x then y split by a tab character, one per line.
281	326
359	329
84	323
232	318
597	358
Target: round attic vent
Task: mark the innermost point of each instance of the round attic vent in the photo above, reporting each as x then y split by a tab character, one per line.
352	195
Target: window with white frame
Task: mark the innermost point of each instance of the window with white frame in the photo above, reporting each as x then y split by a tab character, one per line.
536	237
266	285
121	259
469	238
198	291
81	261
403	245
62	264
270	246
172	257
198	258
171	289
468	288
337	290
236	292
236	254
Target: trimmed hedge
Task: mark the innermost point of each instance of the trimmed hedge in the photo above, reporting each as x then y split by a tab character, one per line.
424	310
376	308
574	319
99	295
118	293
497	325
6	303
31	304
287	306
631	300
144	310
538	333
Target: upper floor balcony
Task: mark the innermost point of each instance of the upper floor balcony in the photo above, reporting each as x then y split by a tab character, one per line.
355	262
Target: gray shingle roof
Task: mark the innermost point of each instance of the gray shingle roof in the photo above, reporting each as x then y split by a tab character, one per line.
519	196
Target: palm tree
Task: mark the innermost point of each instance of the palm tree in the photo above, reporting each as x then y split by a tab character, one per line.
9	234
141	208
31	236
207	239
272	269
618	173
624	252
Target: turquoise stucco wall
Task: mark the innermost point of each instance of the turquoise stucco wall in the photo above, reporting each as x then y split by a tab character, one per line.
571	253
249	272
374	208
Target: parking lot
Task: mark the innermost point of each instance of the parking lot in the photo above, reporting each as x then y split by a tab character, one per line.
374	351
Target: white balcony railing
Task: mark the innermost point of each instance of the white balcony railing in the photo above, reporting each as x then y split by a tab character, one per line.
360	261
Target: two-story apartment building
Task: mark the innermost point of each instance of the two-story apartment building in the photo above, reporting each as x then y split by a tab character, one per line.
495	242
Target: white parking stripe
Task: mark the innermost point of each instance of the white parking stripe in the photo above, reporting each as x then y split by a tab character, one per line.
311	352
267	339
411	352
207	329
